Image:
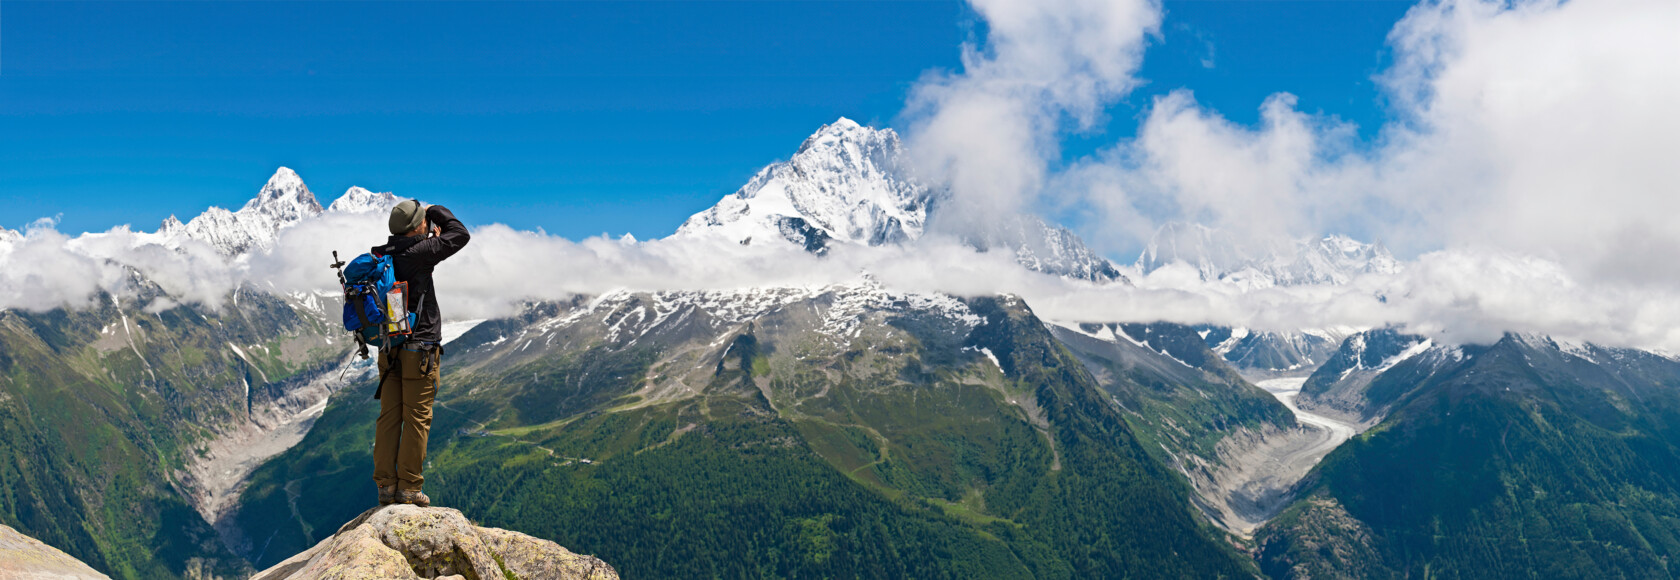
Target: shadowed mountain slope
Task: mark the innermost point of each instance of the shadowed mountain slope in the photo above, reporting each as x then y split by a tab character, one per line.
1526	458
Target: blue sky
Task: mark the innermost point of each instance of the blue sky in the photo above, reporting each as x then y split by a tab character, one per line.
579	118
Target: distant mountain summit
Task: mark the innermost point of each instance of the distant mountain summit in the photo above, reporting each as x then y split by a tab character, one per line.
846	183
850	184
282	202
1052	249
359	200
1217	255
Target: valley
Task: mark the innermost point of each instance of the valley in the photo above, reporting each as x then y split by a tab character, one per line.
221	465
845	428
1260	472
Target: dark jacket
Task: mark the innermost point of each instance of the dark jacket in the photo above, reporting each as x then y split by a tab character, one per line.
414	257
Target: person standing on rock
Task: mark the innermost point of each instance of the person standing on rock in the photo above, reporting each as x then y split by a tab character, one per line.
421	237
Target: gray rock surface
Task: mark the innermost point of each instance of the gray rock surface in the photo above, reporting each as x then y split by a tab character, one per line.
404	541
26	558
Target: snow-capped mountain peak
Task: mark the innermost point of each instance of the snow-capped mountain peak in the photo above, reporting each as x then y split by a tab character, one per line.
846	183
284	198
360	200
1338	258
281	202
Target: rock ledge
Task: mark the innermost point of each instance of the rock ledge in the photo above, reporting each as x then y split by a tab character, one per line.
408	542
26	558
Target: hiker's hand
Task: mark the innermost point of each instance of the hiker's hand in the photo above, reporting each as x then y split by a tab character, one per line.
436	231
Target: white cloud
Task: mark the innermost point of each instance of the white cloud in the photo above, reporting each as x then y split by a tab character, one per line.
38	272
1538	127
988	131
1455	296
1528	172
1529	168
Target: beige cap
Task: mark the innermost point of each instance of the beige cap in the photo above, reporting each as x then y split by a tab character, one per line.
406	216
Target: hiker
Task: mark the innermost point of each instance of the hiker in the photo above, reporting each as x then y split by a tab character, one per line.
420	239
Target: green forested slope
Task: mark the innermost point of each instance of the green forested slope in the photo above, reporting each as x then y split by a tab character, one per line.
100	407
1517	461
903	453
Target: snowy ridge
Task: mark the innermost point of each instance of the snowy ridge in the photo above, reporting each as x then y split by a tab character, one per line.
1579	349
283	201
359	200
1057	250
1219	256
1225	346
842	309
1144	342
1116	333
1357	344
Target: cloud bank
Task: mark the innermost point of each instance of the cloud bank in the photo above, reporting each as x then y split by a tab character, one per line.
1538	127
989	131
1523	175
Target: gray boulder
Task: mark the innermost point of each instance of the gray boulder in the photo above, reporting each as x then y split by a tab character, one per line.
404	541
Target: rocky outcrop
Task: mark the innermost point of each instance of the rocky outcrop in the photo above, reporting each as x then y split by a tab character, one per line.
404	541
26	558
1318	538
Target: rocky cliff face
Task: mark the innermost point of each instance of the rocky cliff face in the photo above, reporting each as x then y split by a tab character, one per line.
25	558
404	541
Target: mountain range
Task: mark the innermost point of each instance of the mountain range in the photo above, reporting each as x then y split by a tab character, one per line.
847	429
283	202
1217	255
1529	457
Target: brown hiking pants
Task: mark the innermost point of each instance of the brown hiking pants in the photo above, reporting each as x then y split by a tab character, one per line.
405	418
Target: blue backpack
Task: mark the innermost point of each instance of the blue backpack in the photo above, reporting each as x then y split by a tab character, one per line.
375	306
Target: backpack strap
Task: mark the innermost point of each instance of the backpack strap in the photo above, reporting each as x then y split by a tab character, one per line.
391	364
357	306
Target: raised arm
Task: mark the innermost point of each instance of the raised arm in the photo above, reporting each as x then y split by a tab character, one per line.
452	236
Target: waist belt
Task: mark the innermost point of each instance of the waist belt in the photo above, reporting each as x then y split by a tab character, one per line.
416	346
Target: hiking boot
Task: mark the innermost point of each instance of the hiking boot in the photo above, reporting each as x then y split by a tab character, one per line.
388	495
413	496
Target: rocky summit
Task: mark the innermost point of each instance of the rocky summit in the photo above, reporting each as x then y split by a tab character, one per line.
405	541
